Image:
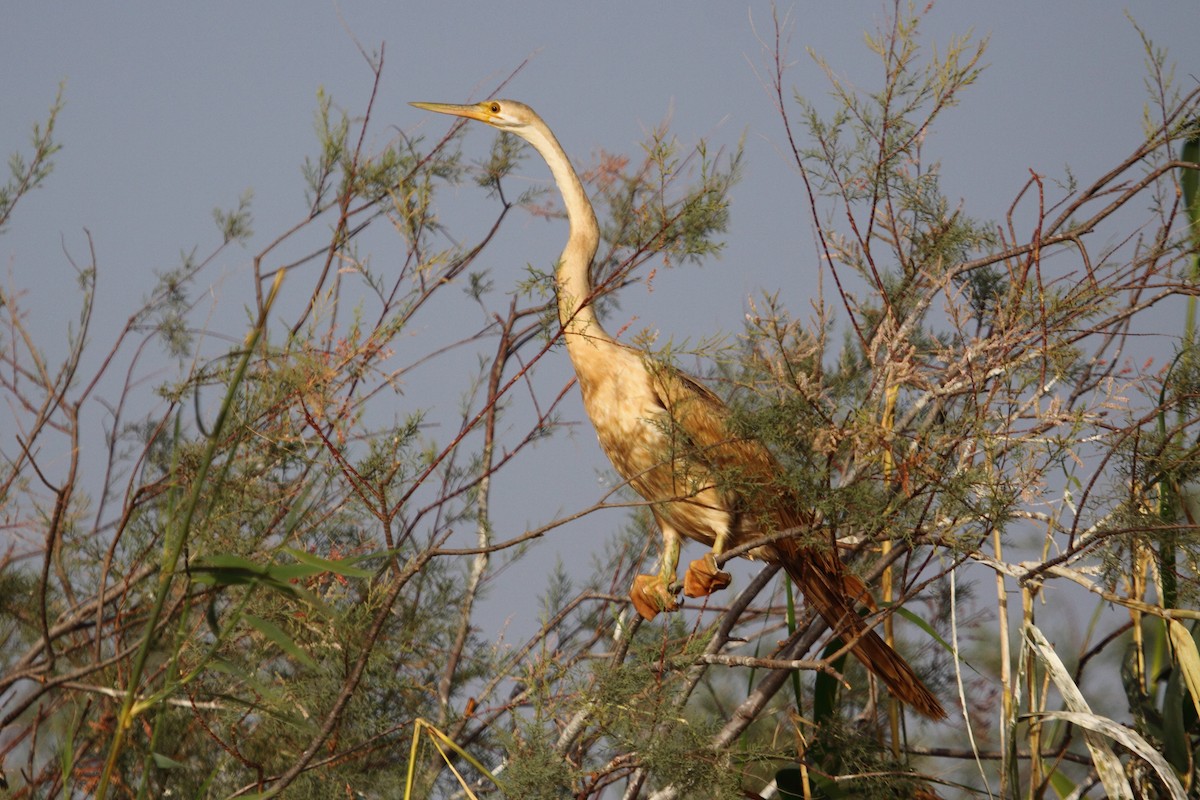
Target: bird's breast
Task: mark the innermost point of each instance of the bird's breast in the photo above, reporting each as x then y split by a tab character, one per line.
626	414
644	445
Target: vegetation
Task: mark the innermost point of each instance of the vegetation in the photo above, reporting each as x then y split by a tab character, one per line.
264	575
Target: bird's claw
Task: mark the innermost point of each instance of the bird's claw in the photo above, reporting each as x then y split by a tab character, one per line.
651	594
703	578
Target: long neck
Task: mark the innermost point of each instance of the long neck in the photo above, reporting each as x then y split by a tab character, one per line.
575	310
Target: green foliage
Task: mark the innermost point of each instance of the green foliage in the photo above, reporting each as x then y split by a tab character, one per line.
235	225
332	133
27	173
533	768
671	744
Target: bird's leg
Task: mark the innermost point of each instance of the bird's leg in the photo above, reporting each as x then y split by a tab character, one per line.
703	577
654	593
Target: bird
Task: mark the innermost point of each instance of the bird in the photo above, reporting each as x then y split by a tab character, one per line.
671	439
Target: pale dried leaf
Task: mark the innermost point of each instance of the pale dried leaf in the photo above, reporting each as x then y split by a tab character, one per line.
1108	766
1187	657
1130	739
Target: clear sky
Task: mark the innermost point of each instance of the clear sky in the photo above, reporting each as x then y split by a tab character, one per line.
173	109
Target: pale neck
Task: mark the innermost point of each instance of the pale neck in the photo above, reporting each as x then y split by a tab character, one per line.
574	285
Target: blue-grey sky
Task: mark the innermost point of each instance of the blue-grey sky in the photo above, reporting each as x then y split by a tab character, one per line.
174	109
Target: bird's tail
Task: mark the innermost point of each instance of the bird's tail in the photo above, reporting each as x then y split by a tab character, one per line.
832	591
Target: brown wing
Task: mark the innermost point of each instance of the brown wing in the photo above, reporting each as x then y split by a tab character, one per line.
744	472
741	467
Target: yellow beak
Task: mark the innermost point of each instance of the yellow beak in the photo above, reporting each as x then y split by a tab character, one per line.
479	111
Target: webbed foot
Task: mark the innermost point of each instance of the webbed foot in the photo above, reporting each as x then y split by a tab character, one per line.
703	578
651	594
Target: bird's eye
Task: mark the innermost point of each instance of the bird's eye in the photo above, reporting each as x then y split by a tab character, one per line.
495	108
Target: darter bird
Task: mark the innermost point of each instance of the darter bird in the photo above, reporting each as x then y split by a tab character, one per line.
671	439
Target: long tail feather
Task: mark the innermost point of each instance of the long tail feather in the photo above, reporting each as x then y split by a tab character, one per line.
830	590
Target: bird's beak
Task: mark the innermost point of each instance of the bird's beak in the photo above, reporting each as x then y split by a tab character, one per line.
479	111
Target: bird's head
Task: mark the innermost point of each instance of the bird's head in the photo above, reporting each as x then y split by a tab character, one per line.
507	115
